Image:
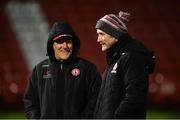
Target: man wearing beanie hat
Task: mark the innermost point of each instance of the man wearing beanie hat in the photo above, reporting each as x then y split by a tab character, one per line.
124	87
64	85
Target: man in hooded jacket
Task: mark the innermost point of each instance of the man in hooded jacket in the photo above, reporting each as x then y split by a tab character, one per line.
63	86
124	87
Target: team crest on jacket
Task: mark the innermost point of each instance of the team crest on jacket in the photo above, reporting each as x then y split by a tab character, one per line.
46	71
75	72
114	69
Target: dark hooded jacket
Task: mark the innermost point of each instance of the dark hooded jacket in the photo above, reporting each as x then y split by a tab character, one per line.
66	89
124	88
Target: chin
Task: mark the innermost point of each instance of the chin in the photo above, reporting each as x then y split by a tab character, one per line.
65	58
104	49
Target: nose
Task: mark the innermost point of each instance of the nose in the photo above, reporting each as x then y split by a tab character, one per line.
99	39
64	44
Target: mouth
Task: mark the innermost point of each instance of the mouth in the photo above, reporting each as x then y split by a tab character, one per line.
66	50
100	42
103	44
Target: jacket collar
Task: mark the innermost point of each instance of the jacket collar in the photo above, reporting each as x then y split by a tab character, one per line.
115	51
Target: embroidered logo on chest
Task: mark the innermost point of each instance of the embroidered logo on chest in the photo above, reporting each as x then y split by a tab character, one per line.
46	71
114	68
75	72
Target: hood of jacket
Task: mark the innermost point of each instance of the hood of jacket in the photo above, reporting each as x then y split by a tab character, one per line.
57	29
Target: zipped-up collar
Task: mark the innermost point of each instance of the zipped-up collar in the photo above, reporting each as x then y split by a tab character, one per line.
61	66
116	50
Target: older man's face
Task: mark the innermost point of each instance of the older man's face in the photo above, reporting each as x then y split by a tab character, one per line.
63	49
105	40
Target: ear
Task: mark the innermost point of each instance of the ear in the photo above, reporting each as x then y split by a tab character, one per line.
115	39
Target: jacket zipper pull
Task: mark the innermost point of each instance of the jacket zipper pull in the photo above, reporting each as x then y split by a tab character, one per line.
61	66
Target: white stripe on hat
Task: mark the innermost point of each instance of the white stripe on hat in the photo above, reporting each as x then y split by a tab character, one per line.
111	23
119	20
112	19
114	22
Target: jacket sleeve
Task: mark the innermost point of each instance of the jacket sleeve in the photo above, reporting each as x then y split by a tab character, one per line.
31	101
93	79
135	86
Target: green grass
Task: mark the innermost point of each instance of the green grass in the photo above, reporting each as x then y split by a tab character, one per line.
12	115
151	114
163	114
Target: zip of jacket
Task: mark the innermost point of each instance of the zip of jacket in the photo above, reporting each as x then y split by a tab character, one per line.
60	83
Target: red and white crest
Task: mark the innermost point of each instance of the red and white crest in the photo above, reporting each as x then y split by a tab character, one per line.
75	72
